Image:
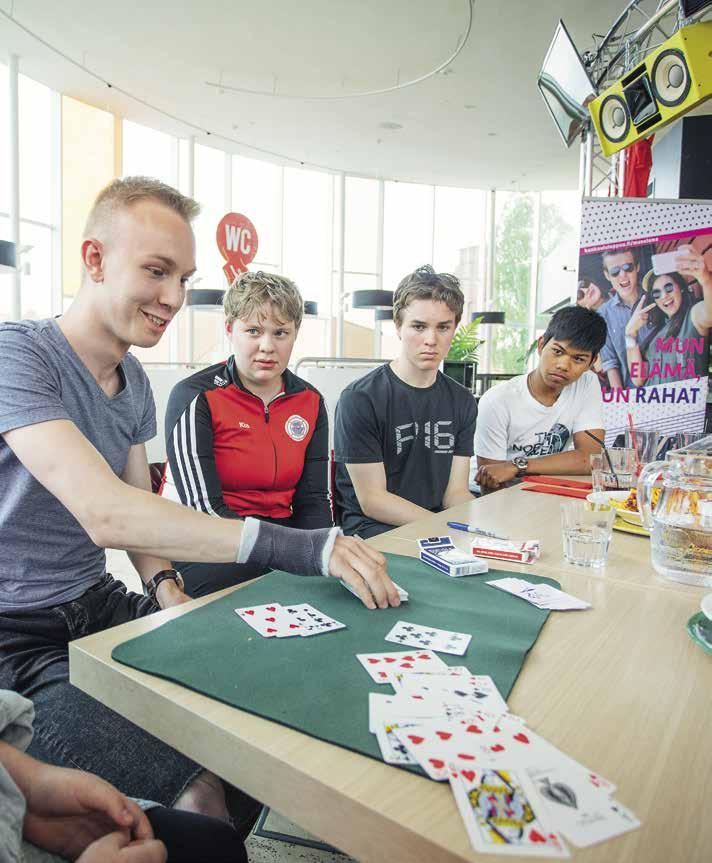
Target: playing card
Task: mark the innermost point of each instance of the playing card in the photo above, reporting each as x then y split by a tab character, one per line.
584	814
426	744
450	671
509	745
478	689
378	665
402	592
540	595
392	750
441	640
268	620
396	708
502	814
311	620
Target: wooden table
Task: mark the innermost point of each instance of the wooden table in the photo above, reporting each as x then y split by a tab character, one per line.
621	688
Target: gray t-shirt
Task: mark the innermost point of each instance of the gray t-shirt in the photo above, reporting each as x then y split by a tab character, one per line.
47	556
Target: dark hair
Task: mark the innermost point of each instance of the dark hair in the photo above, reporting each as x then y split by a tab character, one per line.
425	284
657	317
584	284
609	252
584	329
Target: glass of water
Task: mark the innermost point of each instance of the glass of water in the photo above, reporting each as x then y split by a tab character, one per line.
586	529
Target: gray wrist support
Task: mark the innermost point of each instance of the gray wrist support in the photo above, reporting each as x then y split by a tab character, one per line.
303	552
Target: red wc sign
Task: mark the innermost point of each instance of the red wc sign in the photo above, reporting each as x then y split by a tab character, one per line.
237	241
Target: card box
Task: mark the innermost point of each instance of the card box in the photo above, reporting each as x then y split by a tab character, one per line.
441	553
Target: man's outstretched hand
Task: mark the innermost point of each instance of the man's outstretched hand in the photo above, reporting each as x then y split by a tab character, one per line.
365	570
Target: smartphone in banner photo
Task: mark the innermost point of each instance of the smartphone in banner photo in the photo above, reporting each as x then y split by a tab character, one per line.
664	263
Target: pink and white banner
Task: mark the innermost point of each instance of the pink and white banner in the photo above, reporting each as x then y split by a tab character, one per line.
646	267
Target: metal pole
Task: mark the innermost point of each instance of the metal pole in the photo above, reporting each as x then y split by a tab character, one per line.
582	164
489	271
588	178
340	270
621	173
14	151
534	283
190	191
377	331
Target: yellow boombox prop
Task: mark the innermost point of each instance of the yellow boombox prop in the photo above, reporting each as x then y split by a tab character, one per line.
670	81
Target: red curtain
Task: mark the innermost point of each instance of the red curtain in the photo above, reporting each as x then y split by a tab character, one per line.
638	162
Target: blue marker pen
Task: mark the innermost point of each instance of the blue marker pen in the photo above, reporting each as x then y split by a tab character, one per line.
468	528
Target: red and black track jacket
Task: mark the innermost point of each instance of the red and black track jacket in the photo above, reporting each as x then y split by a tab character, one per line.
232	456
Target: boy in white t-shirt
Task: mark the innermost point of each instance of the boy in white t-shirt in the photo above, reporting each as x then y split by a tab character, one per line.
545	422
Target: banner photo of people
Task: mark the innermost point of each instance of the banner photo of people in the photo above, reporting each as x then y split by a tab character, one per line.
646	267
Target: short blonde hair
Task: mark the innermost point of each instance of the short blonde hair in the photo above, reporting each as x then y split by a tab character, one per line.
250	291
131	190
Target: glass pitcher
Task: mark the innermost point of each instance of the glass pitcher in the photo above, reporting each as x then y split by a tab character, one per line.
680	521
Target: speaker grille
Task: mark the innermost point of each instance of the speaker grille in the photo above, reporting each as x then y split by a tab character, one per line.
614	118
670	78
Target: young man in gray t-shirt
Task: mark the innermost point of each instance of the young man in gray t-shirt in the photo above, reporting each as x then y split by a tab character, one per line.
75	412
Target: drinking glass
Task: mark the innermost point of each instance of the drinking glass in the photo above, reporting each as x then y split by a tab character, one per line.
613	469
644	442
586	529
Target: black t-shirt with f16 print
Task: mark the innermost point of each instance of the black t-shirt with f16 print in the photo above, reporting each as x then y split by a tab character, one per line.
414	431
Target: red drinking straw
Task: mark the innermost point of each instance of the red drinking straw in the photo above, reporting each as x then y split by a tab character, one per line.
635	444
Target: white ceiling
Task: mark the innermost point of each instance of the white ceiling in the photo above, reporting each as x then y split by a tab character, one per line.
481	124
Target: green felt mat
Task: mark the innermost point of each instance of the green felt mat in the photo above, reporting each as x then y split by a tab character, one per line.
315	684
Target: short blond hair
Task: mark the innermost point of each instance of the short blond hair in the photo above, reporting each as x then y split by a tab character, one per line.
250	291
131	190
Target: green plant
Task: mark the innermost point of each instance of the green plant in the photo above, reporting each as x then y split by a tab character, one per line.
466	343
524	359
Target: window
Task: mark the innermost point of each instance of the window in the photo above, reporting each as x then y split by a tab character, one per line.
408	230
257	194
514	220
149	153
459	243
558	249
210	191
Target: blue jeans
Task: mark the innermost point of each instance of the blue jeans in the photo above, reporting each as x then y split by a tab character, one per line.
71	728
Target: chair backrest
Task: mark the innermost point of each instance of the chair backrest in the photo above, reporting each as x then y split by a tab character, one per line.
331	376
163	377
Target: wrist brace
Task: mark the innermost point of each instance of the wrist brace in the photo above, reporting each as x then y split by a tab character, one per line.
303	552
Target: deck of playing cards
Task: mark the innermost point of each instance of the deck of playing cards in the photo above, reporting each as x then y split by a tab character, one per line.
402	592
516	792
540	595
504	549
273	620
440	552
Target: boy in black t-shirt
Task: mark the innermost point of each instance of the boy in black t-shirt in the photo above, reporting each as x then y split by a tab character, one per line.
404	432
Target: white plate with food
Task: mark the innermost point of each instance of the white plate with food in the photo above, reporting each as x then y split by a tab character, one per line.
624	502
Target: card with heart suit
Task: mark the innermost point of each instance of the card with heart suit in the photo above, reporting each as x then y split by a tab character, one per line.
436	743
506	744
502	814
394	708
477	689
441	640
392	750
311	620
379	665
269	620
584	814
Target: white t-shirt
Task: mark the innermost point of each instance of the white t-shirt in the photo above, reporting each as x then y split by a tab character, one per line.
511	422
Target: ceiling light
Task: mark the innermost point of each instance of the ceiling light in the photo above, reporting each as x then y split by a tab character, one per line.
390	125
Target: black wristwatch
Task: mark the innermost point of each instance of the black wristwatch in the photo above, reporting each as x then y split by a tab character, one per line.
152	586
521	463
